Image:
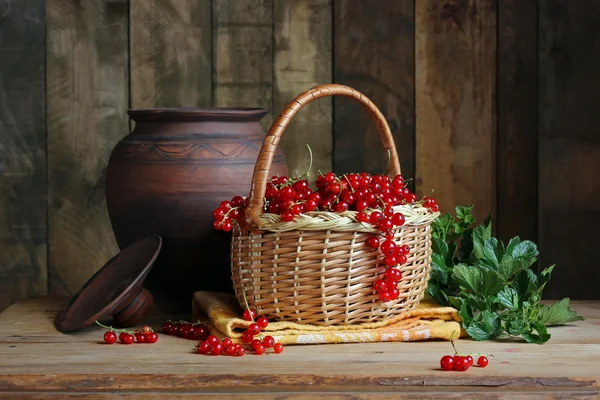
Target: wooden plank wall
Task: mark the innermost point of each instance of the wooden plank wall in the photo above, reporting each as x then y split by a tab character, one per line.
490	102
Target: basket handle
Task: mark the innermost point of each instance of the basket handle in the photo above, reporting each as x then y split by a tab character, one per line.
267	151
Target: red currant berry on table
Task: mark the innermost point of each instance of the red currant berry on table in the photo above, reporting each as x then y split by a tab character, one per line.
110	337
259	349
211	339
461	363
166	328
469	360
151	337
203	347
217	349
126	338
254	343
447	363
277	348
227	342
268	341
140	337
482	361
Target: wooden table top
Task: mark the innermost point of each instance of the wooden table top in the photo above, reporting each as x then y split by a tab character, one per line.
36	361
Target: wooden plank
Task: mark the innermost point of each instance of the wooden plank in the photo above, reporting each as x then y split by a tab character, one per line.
302	34
171	57
243	55
569	183
455	102
374	53
79	362
23	254
87	101
516	213
350	395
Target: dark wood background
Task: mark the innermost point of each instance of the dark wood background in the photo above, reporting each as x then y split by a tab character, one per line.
491	102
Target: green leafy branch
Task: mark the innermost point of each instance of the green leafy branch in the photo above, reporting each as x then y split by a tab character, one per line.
490	284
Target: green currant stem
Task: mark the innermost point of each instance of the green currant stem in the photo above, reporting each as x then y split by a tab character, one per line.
110	328
247	306
349	183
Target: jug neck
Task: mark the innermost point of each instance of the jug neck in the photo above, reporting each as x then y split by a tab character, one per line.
216	122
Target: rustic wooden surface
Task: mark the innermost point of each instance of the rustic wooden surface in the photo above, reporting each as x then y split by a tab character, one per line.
171	60
517	120
569	145
23	236
243	55
87	101
302	59
39	362
455	74
374	53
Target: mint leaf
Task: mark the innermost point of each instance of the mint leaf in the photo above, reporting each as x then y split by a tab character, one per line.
515	326
434	291
485	326
558	313
509	298
538	334
491	322
477	280
525	283
464	214
440	247
477	331
544	278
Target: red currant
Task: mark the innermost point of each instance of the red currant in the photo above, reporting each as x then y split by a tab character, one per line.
435	208
237	201
254	329
110	337
385	224
254	343
388	248
380	285
247	337
140	337
126	338
482	361
393	275
391	261
151	337
401	258
203	347
216	349
287	216
268	341
469	360
249	315
460	363
375	217
166	328
259	349
447	363
212	339
384	296
262	322
277	348
404	249
372	241
398	219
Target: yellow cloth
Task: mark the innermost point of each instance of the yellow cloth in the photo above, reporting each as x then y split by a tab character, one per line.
427	321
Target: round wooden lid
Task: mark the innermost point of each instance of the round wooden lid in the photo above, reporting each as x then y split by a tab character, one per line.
115	289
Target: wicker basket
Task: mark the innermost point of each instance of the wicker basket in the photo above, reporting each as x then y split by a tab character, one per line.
317	269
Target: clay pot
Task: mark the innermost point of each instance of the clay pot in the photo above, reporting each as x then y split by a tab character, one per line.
166	178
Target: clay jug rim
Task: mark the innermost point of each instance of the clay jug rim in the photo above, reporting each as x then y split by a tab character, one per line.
223	114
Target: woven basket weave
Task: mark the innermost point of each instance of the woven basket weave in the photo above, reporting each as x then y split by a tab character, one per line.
318	269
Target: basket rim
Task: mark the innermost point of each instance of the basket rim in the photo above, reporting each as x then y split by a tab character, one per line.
415	215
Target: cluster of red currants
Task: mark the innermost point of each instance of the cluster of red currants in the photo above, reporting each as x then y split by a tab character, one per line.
212	346
431	204
460	362
227	211
143	335
187	330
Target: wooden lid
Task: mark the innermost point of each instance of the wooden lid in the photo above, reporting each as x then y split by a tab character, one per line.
115	289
